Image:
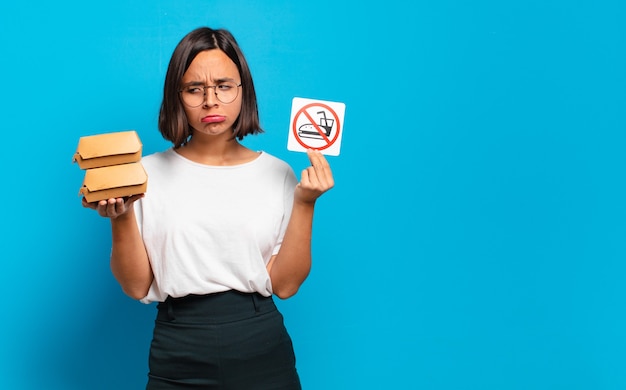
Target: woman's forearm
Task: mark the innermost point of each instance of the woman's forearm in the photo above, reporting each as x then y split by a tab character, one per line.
129	259
292	264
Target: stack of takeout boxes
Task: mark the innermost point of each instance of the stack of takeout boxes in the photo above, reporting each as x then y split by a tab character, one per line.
112	164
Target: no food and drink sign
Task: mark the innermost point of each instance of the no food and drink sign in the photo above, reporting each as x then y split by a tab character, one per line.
316	124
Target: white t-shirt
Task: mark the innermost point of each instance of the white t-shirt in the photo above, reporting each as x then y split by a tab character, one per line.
209	229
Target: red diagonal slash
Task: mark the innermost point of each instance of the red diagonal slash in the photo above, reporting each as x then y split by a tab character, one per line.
322	133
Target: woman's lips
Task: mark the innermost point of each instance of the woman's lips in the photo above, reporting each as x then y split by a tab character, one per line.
213	119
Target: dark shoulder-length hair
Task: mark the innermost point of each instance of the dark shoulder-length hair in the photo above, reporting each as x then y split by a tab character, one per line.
173	123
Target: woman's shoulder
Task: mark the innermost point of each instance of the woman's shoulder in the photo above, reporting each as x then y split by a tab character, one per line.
158	156
159	162
274	161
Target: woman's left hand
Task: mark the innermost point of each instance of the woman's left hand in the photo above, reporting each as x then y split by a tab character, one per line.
316	179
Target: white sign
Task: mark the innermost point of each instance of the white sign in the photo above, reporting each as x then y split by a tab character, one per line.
316	124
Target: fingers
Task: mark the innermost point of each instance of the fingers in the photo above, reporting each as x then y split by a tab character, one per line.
107	208
133	198
317	159
319	173
114	207
316	179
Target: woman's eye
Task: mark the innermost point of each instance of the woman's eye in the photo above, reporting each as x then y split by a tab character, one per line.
224	87
193	90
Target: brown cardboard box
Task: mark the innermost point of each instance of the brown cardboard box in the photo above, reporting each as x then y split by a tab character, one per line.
103	150
115	181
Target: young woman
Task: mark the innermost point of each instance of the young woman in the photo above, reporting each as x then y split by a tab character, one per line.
221	229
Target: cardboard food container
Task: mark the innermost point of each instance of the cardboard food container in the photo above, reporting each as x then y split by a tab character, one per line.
108	149
116	181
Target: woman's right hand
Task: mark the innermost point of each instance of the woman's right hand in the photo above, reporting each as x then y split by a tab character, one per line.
114	207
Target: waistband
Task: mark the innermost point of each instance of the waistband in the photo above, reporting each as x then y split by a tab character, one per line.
214	308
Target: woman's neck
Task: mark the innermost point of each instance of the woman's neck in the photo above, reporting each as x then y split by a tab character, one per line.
215	151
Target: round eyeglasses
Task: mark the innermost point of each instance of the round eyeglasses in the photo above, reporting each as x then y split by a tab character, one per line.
195	95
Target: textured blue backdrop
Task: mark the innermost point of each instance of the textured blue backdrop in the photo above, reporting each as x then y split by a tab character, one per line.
474	239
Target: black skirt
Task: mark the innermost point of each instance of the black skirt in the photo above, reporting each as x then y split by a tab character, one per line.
228	340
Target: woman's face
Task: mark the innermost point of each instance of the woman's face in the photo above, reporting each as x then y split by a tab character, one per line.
211	117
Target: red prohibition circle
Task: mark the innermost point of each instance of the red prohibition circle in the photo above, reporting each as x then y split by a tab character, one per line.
301	111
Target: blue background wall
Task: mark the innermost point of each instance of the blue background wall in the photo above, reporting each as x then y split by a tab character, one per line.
475	236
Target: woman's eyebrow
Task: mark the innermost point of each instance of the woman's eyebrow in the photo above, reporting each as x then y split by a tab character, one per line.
192	83
224	79
217	81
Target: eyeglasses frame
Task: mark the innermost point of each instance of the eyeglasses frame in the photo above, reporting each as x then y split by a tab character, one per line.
204	96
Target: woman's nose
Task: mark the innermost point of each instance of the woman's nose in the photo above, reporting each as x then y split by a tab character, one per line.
210	98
